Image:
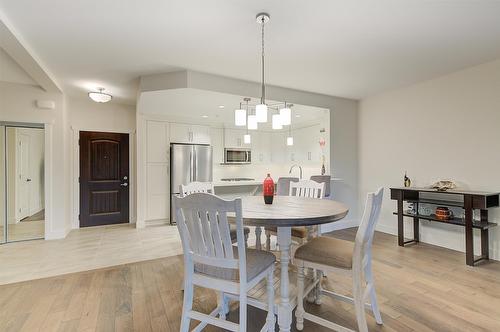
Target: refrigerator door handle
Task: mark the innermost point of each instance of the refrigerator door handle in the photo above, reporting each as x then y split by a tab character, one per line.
194	165
191	163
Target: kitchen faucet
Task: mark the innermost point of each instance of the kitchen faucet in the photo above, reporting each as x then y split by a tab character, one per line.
300	169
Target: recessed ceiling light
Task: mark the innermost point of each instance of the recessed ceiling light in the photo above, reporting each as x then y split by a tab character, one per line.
204	116
221	106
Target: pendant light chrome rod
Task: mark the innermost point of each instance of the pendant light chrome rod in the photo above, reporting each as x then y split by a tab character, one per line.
263	95
262	19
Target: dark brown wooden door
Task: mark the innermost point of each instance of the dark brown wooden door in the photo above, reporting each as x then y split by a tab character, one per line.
104	178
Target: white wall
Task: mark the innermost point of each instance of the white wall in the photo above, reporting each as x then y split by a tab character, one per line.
17	104
86	115
446	128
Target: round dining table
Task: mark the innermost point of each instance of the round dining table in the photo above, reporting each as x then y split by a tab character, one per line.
284	213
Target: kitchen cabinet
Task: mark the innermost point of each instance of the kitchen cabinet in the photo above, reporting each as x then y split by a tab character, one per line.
261	147
217	142
157	145
158	191
233	138
187	133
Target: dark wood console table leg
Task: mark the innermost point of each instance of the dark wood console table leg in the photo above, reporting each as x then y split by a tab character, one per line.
401	233
416	226
469	236
485	244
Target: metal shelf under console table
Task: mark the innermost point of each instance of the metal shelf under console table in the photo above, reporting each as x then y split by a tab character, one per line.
468	200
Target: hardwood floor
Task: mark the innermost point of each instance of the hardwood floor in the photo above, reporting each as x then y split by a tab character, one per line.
86	249
420	288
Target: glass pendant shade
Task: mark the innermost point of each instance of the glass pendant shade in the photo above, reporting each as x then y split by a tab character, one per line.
261	113
289	140
240	117
247	139
277	121
252	122
286	116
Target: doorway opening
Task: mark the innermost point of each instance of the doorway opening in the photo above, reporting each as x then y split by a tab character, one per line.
22	182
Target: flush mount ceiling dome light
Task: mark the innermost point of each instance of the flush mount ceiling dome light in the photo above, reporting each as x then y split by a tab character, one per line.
100	96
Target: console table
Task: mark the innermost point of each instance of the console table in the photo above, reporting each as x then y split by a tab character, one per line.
467	200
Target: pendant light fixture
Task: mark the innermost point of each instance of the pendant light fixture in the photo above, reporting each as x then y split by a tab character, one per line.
247	139
286	115
100	96
240	117
289	139
261	109
277	121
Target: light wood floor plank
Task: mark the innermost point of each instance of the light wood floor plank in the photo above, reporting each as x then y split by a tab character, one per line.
420	288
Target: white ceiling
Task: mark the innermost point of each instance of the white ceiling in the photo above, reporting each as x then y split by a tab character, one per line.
203	107
344	48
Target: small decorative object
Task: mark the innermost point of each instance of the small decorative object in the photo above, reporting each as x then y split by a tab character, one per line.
424	210
322	144
443	213
444	185
268	189
407	180
411	208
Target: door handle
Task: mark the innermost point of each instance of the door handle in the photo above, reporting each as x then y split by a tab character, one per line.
28	180
124	184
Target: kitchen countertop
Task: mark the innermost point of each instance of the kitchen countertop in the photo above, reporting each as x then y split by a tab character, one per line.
219	183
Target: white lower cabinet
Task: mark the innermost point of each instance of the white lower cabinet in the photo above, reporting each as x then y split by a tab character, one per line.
158	191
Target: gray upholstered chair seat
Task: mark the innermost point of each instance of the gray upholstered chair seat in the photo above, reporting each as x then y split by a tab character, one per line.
257	262
327	251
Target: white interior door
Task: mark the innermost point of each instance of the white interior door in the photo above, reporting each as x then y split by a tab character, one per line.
23	176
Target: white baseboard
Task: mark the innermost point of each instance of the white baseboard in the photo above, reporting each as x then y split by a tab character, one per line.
56	235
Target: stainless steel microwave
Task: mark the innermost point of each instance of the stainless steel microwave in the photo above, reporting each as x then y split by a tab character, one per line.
237	156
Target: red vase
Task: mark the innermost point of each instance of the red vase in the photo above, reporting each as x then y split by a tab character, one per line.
268	190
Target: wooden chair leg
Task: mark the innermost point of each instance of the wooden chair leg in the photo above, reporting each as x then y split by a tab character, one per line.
318	291
268	240
243	312
373	295
187	304
258	232
299	313
359	301
271	319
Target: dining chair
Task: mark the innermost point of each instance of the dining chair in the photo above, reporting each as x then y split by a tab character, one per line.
303	188
211	261
208	187
326	179
336	255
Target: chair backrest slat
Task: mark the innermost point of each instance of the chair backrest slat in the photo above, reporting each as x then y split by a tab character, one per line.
307	188
366	230
196	187
203	224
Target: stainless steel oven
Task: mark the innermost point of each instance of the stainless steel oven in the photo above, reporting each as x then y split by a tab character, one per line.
237	156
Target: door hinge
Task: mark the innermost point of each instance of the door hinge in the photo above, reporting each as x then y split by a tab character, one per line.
78	217
78	179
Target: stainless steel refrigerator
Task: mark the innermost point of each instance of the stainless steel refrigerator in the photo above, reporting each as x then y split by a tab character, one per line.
188	163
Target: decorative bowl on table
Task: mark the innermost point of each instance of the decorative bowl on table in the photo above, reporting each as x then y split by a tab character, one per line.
443	213
444	185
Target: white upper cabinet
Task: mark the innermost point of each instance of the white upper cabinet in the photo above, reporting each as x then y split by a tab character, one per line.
186	133
233	138
157	142
216	138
